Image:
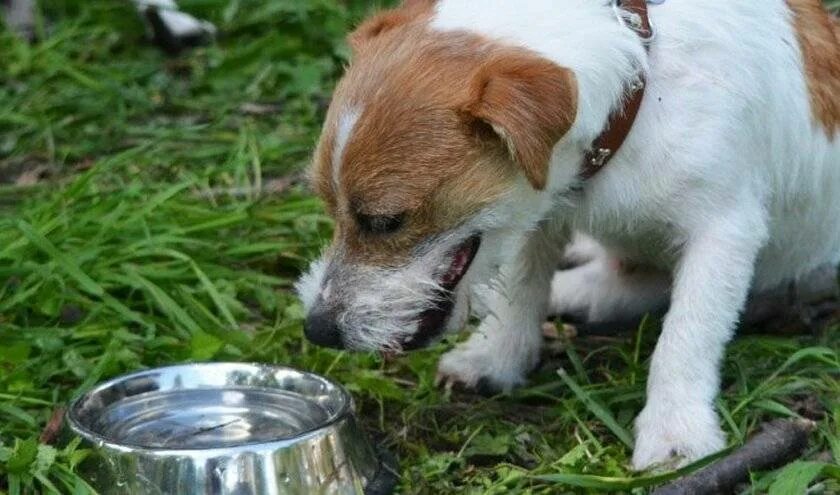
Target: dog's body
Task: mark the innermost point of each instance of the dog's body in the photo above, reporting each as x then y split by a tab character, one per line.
729	181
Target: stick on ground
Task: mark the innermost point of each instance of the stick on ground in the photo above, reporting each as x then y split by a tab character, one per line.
778	443
53	428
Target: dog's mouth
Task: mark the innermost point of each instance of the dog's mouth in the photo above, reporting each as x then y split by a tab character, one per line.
433	320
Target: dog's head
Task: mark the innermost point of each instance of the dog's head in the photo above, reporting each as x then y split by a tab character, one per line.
428	134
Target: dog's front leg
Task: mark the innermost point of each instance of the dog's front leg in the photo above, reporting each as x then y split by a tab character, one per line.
506	346
678	423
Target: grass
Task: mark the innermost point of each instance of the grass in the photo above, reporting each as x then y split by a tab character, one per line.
143	240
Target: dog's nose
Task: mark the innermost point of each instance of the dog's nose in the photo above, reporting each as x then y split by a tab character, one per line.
320	328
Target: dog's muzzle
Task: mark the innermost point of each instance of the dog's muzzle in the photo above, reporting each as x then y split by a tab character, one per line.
322	328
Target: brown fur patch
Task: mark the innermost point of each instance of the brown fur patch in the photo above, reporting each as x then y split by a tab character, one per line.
409	11
319	172
531	103
422	145
819	38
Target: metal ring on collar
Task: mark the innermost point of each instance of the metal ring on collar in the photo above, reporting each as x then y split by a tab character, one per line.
632	21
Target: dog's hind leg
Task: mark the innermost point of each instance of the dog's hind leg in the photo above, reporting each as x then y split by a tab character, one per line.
606	289
807	304
581	251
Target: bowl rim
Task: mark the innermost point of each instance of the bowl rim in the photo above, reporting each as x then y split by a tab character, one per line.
102	442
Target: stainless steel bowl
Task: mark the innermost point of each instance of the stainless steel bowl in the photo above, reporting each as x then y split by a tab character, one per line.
226	428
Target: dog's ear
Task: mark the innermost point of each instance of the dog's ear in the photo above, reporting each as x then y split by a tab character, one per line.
530	103
388	20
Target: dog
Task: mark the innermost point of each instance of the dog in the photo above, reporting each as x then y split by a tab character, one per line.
459	160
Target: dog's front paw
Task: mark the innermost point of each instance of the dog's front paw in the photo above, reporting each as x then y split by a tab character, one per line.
478	370
486	365
671	435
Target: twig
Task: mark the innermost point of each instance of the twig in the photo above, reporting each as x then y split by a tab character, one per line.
53	427
778	443
260	108
270	187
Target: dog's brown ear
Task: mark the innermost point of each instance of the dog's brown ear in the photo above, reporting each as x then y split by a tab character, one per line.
388	20
530	103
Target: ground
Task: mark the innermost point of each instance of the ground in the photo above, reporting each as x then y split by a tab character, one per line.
152	212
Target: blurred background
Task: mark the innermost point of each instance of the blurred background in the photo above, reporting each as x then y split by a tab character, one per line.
153	211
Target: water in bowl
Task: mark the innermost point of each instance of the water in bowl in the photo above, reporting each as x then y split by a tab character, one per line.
209	418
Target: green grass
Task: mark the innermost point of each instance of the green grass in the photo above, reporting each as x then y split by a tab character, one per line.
130	253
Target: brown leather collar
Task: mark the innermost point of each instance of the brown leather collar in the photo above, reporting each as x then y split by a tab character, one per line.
604	147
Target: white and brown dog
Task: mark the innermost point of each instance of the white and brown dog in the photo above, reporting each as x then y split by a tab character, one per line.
458	160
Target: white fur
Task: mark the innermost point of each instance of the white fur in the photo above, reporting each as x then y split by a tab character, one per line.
600	292
726	181
386	304
308	287
346	124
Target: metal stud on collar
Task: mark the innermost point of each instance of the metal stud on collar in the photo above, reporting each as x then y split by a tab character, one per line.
637	84
633	21
600	157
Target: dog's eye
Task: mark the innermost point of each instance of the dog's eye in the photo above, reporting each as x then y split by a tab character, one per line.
380	224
